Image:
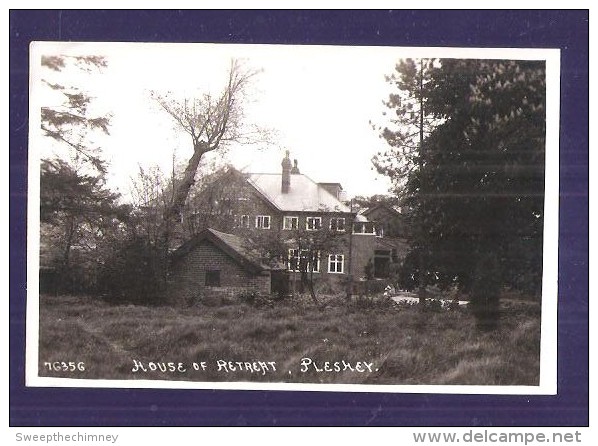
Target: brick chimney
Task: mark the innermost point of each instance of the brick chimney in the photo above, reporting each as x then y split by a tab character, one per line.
286	174
295	169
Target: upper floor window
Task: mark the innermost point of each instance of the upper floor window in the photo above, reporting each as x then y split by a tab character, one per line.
262	222
337	224
363	228
313	223
244	221
290	223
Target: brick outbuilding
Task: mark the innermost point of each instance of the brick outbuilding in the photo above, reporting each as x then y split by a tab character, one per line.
214	263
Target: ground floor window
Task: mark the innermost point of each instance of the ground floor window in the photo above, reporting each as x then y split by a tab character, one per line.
336	263
213	278
302	260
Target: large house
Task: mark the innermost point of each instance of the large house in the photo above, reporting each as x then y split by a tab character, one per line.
287	224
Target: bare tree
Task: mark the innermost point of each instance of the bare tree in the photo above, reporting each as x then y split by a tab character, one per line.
211	121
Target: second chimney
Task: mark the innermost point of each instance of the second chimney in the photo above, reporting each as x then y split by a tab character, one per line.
295	169
286	174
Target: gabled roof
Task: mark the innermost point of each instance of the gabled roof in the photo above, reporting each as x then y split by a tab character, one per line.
305	195
230	244
390	209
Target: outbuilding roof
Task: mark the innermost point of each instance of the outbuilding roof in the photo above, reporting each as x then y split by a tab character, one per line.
230	244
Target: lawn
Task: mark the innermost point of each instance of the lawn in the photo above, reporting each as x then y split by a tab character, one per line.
288	341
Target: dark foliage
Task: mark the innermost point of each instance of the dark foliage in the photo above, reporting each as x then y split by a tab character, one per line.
80	224
134	274
478	193
68	120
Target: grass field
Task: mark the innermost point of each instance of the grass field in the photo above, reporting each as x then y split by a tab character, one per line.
382	343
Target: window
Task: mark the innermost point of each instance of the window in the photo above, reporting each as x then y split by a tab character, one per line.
336	263
302	260
213	278
244	221
290	223
293	260
337	224
313	223
262	222
363	228
315	260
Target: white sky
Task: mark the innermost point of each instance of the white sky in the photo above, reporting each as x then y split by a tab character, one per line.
318	100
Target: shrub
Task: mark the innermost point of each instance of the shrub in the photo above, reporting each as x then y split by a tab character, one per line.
329	287
135	273
255	299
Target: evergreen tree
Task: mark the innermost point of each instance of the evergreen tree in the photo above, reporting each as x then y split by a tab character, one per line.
479	193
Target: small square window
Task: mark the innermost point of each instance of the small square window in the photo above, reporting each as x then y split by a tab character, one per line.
313	223
336	263
213	278
262	222
337	224
290	223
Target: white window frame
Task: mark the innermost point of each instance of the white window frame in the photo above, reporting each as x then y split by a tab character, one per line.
295	253
333	259
363	226
336	220
260	219
313	219
317	268
292	218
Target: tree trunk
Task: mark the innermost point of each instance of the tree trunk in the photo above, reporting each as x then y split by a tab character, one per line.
173	212
312	291
485	293
422	259
64	273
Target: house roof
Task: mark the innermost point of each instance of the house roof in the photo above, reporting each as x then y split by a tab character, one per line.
228	243
390	209
305	195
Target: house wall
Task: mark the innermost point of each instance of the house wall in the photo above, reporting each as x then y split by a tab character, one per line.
394	224
187	282
362	250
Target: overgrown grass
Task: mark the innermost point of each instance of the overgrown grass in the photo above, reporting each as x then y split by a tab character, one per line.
402	344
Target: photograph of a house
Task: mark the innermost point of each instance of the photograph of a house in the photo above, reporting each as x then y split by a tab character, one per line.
306	216
271	211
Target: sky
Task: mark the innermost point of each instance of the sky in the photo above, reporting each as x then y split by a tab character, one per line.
317	102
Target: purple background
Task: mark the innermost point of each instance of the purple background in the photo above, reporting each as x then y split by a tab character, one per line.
567	30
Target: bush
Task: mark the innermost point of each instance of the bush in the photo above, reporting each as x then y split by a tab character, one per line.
329	287
135	273
255	298
371	303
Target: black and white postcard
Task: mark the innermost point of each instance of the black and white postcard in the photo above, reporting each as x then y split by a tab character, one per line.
279	217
